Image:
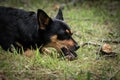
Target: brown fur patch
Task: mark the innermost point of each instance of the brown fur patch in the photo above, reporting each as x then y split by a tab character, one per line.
69	31
58	44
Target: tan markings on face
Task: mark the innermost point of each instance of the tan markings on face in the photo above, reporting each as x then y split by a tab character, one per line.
58	44
67	42
69	31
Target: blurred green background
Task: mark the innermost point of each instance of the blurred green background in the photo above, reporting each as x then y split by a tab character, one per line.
92	21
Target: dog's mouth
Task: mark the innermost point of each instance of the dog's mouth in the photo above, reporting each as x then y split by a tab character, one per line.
69	54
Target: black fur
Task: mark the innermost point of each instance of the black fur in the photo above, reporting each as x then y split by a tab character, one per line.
31	29
19	26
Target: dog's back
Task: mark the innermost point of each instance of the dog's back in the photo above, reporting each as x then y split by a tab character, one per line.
16	24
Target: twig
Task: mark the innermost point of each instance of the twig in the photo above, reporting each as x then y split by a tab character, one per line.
104	49
90	43
116	41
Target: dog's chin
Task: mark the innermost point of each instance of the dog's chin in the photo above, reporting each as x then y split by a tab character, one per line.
69	55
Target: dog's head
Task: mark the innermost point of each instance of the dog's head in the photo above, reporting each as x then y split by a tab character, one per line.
57	34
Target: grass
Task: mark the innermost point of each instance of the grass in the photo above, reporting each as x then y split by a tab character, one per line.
90	23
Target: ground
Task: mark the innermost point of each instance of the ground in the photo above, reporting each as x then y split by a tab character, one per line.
90	22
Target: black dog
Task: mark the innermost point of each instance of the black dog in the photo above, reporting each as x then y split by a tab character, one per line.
26	28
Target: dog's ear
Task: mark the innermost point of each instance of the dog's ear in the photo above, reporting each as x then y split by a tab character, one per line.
59	15
43	19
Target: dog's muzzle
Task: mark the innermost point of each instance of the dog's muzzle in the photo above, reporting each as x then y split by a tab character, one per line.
70	53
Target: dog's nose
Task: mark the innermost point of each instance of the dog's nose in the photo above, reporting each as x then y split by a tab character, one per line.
77	47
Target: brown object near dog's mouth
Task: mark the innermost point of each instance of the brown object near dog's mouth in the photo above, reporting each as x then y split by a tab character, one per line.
69	55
